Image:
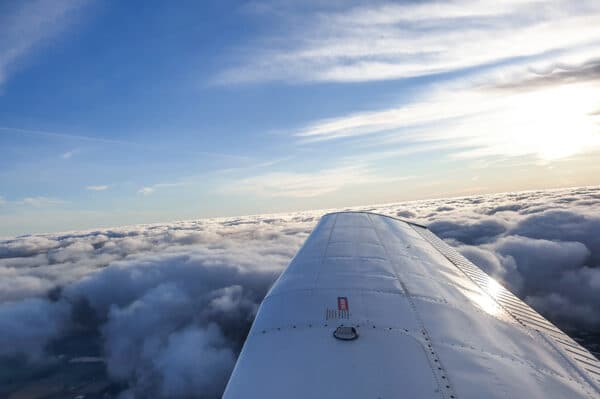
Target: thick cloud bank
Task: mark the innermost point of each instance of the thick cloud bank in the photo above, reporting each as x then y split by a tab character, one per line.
170	304
165	308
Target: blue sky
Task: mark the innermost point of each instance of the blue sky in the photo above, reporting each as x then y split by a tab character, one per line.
115	113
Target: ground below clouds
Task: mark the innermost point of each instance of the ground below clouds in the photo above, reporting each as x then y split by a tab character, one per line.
162	310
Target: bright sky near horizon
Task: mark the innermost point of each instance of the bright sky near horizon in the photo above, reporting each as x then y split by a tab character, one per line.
116	113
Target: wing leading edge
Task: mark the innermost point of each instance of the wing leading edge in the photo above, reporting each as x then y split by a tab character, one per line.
375	307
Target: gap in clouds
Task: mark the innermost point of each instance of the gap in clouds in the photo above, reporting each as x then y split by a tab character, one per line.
162	310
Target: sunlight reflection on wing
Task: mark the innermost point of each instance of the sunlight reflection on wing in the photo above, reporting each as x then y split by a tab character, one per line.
486	301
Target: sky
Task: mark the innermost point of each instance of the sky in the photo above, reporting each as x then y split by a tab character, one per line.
115	113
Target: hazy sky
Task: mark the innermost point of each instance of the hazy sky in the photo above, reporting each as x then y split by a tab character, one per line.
125	112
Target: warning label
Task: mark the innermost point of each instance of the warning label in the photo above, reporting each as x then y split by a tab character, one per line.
342	303
342	311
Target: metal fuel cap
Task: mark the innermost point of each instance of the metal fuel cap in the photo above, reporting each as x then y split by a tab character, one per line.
345	333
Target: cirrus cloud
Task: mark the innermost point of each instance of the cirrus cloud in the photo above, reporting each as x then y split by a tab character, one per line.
26	25
386	40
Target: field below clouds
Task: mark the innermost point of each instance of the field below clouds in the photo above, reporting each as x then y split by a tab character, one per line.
162	310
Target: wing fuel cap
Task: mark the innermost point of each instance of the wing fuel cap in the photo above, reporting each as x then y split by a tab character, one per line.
345	333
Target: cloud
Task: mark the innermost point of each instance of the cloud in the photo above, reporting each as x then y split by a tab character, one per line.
140	295
386	40
35	202
146	190
63	136
27	246
537	97
305	185
27	326
551	122
562	224
40	202
97	188
541	261
26	26
469	232
556	74
205	368
147	291
68	154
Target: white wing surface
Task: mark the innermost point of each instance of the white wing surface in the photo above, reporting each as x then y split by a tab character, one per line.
376	307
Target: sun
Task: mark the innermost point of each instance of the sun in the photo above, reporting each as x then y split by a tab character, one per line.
556	122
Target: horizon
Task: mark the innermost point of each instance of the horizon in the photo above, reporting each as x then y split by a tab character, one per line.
294	211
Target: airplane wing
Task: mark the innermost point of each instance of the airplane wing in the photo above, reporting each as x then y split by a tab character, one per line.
376	307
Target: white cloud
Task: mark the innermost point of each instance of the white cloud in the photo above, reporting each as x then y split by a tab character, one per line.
375	41
552	121
36	202
62	136
40	202
26	25
185	181
541	101
304	185
68	154
97	188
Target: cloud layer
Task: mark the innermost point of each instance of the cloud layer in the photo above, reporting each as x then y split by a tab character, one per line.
171	303
148	292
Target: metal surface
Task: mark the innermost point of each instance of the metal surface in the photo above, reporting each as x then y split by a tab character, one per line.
345	333
431	325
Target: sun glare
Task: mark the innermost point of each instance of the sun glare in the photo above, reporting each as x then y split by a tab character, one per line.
555	123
